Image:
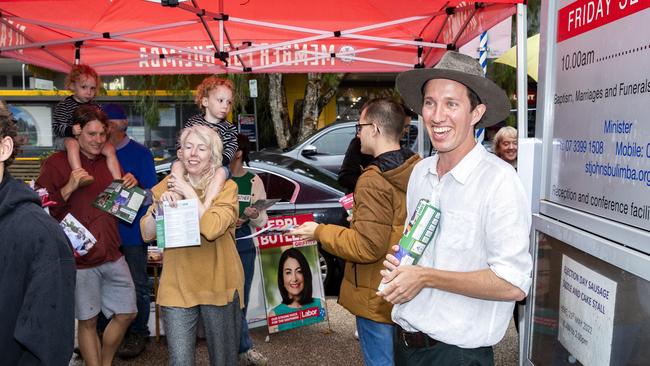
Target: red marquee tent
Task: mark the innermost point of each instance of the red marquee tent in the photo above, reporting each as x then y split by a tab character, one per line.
127	37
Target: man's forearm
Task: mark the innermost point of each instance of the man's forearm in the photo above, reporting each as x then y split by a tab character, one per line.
482	284
66	192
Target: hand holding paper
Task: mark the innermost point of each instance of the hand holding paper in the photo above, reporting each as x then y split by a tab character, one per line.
129	180
306	230
418	233
251	212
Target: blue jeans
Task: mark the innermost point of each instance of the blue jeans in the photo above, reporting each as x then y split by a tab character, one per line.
376	342
221	325
246	250
136	258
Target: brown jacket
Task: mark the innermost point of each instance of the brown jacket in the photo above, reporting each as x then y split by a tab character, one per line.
377	224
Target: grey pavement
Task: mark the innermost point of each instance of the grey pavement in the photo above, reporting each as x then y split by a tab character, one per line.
326	343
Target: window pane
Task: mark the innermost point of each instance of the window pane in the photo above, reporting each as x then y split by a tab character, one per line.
335	142
276	186
630	334
410	139
34	125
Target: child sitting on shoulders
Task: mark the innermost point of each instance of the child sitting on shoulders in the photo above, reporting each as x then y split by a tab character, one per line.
83	81
214	96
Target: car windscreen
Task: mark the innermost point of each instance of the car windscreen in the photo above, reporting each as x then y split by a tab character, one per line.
316	174
288	148
335	141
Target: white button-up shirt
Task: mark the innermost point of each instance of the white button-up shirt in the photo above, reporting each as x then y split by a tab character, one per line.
485	223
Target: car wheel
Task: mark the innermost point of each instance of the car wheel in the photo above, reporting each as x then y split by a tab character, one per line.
324	268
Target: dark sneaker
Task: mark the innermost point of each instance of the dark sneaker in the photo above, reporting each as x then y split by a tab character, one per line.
133	346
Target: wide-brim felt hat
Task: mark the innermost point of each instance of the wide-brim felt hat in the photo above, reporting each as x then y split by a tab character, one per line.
465	70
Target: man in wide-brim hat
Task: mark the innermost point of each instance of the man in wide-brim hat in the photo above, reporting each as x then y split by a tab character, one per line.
457	302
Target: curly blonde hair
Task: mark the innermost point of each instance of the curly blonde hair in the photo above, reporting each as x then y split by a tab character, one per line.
211	138
207	85
79	70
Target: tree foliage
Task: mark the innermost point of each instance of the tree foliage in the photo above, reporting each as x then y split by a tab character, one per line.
146	101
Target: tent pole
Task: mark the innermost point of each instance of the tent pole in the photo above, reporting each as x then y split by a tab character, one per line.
522	131
522	72
393	40
463	27
52	25
50	43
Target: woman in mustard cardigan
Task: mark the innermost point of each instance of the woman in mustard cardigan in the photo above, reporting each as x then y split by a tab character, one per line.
205	280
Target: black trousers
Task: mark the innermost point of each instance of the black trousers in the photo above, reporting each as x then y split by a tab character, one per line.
441	354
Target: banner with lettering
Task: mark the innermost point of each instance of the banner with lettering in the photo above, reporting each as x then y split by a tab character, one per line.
601	136
293	285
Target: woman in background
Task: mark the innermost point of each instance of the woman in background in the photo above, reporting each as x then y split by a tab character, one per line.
505	145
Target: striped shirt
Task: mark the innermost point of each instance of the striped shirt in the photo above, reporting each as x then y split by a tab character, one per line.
227	132
62	119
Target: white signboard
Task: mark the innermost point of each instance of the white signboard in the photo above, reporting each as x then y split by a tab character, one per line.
587	304
601	134
252	86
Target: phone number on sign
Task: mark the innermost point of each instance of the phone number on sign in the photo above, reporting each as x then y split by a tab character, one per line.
583	146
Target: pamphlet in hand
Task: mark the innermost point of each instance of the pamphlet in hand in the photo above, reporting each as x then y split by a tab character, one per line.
262	205
178	226
81	238
119	201
347	202
269	230
417	234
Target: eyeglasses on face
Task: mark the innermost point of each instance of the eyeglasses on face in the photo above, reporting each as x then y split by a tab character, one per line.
358	126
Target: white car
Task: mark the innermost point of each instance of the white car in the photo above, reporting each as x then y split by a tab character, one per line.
326	147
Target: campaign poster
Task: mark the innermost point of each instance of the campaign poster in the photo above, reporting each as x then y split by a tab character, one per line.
291	274
601	135
247	126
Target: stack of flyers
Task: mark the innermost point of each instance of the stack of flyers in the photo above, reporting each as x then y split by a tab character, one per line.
81	238
347	202
417	234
